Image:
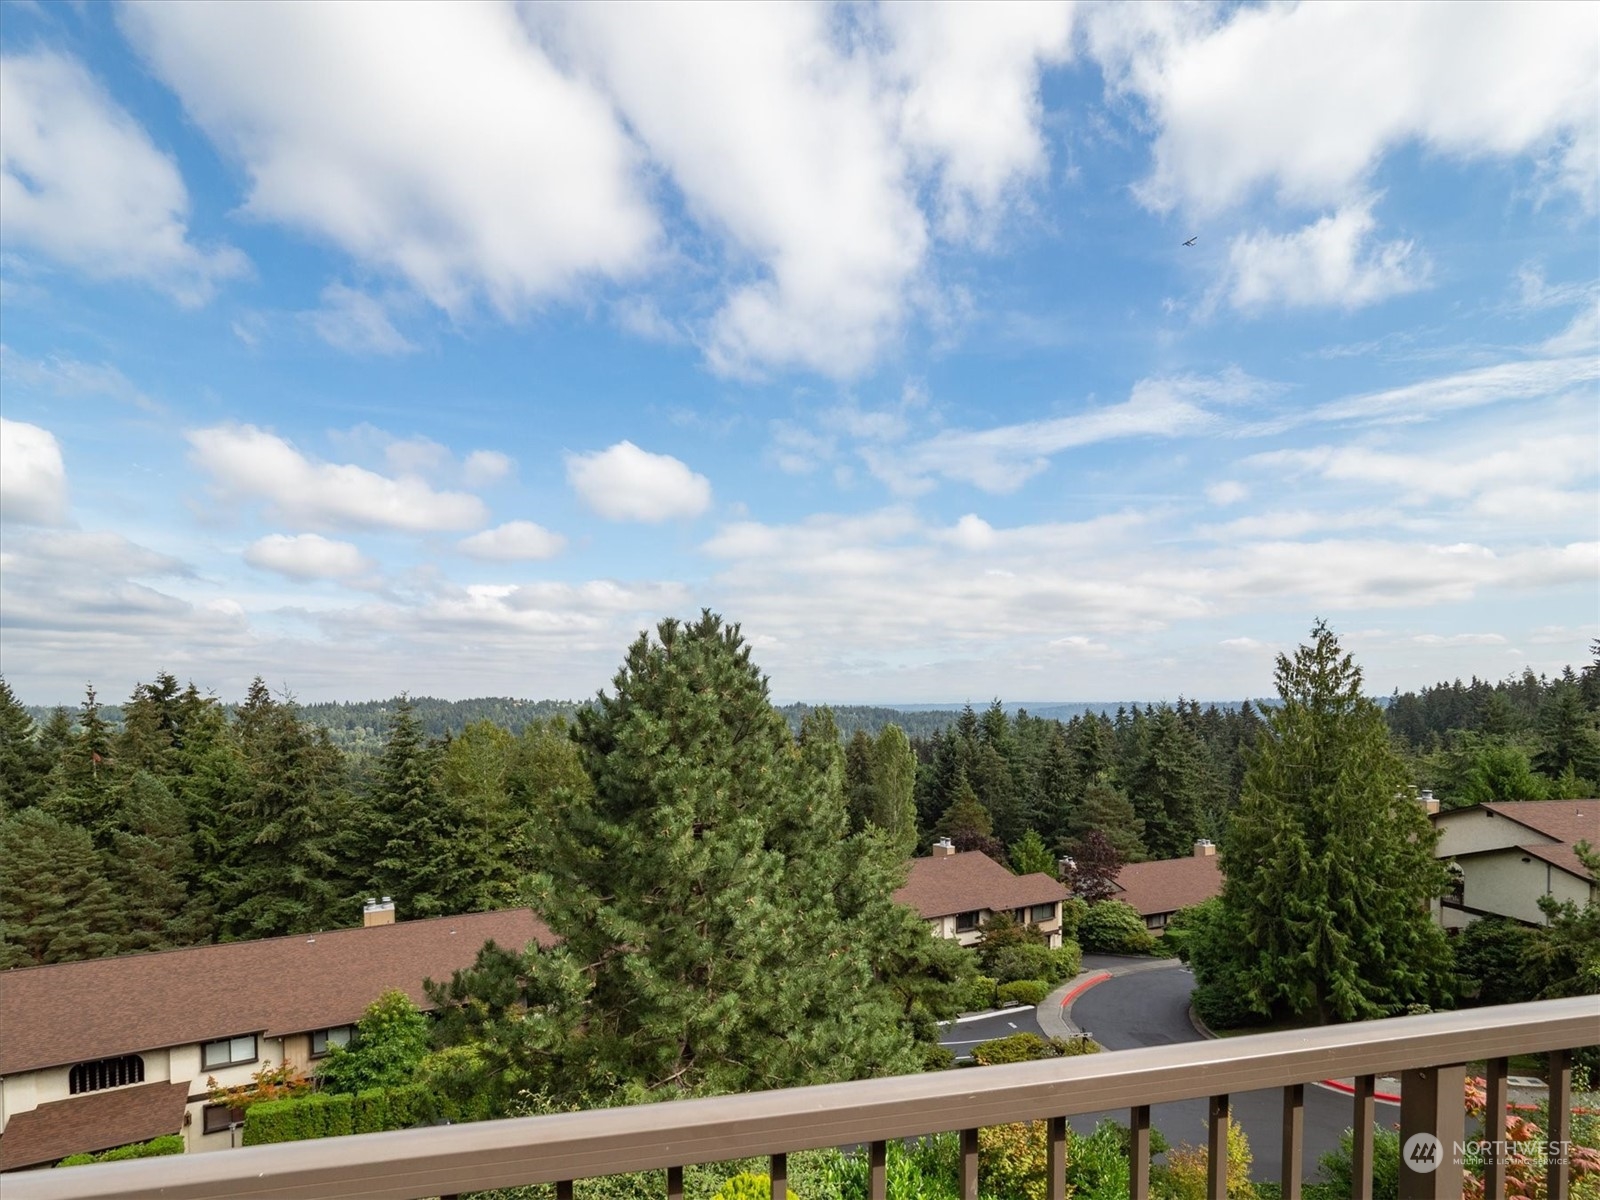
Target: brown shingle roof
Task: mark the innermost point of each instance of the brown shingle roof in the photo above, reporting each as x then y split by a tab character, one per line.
97	1121
74	1012
1169	884
1567	821
956	883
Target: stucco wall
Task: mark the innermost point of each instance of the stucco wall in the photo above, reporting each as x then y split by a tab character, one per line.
1473	830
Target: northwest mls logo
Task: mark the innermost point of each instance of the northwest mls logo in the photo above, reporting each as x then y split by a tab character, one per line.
1421	1153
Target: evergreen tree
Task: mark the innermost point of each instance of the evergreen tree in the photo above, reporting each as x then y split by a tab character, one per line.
56	904
81	780
23	765
150	864
968	825
728	922
1569	742
1500	772
1105	809
1167	786
860	790
1329	865
894	776
423	860
1029	855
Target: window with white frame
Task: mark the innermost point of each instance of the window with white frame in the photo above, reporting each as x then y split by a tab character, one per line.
229	1052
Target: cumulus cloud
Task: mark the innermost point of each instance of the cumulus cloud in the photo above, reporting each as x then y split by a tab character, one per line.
1332	262
1002	459
625	483
307	556
252	465
81	181
354	322
1226	492
435	141
515	541
1306	99
509	154
483	467
33	479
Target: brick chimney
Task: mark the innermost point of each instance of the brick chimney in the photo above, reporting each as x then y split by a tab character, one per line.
943	848
1429	802
1204	848
377	912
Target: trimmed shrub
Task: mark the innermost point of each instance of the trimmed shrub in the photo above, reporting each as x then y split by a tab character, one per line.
1022	991
1114	927
1184	1176
1025	1047
1072	912
171	1143
747	1186
1069	960
1014	1160
1035	962
323	1114
978	994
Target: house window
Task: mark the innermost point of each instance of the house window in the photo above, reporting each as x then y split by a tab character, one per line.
1042	912
219	1118
105	1073
966	922
322	1040
228	1052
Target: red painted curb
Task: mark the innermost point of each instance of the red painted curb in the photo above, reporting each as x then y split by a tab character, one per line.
1084	987
1386	1097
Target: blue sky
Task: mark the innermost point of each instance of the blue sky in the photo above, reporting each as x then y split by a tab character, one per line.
443	348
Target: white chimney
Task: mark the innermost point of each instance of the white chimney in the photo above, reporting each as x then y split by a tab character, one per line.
1204	848
377	912
943	848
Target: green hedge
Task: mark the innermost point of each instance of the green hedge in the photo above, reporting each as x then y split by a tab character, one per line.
1025	1047
333	1114
1022	991
172	1143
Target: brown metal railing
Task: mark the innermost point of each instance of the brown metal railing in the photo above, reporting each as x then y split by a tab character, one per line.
1426	1051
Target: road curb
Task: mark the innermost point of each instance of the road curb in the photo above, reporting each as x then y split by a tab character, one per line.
1054	1013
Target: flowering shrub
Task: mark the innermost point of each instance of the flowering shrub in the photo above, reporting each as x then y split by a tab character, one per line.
1525	1161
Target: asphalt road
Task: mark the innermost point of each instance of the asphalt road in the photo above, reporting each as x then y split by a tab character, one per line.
1151	1008
962	1038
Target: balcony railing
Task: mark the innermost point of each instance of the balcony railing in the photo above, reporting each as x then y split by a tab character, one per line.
1427	1052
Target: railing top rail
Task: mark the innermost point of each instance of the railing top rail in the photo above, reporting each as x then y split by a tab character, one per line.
460	1158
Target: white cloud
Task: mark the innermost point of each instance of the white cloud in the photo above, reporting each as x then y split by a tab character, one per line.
1306	99
250	464
971	110
483	467
515	541
625	483
435	141
33	479
71	378
1581	336
1465	389
1226	492
307	556
1331	262
81	181
354	322
1002	459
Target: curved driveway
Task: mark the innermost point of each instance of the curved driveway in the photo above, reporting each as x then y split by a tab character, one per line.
1151	1008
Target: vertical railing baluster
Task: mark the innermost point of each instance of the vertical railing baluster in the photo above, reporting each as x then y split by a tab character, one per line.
564	1190
1361	1149
780	1177
1217	1152
674	1183
1056	1158
1559	1136
1433	1130
1294	1128
969	1164
878	1171
1495	1098
1139	1153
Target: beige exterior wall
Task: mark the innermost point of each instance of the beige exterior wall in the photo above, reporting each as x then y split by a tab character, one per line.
945	927
1510	883
1474	830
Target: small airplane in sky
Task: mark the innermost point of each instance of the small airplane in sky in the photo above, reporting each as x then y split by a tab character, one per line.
1192	240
